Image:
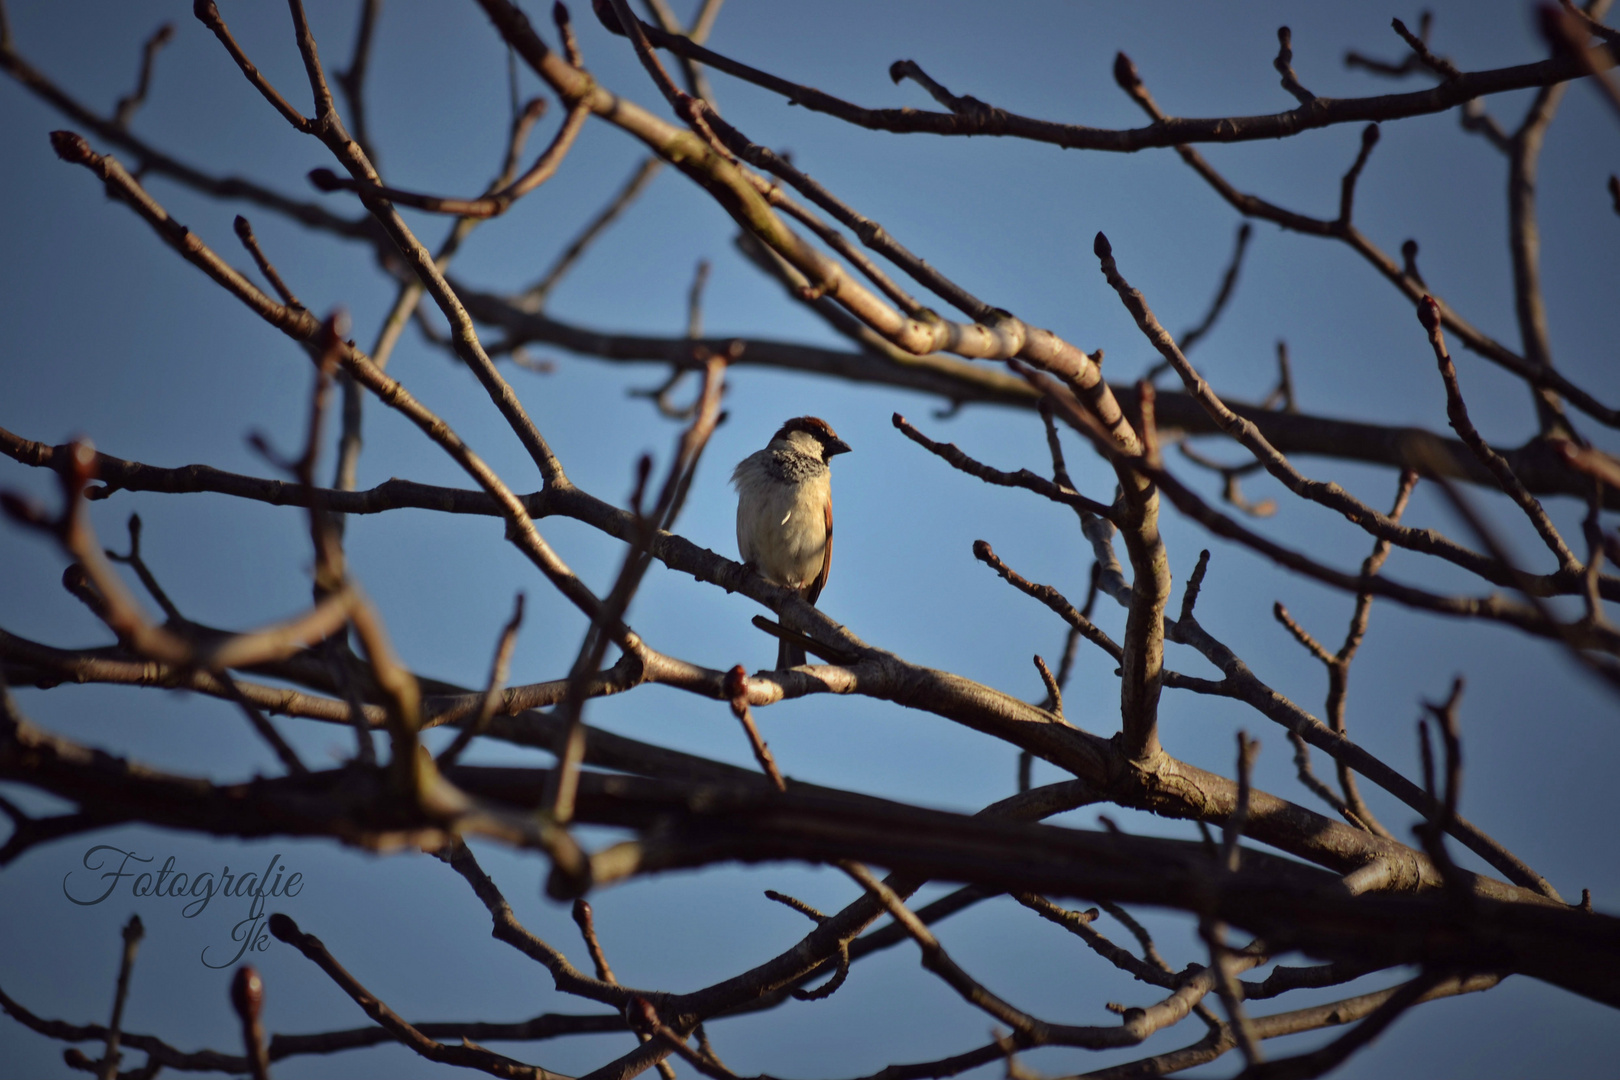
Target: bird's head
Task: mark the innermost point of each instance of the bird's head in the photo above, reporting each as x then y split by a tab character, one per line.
811	433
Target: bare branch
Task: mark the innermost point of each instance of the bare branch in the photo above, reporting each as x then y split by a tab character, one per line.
207	12
466	1055
1051	598
1171	131
492	691
1537	375
485	206
936	960
1244	431
1335	886
133	932
1285	67
1023	478
244	232
1233	828
1191	337
1457	411
534	297
1411	62
1418	43
127	105
1347	187
148	580
736	680
636	561
352	79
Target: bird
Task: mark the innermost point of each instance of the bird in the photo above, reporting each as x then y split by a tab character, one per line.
784	512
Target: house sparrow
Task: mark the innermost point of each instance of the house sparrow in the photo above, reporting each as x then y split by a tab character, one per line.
784	512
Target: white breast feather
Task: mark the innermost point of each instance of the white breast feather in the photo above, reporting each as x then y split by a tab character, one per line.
780	527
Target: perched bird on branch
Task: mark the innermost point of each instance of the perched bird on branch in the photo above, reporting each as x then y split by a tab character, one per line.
784	512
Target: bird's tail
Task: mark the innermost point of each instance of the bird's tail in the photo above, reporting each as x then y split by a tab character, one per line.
788	655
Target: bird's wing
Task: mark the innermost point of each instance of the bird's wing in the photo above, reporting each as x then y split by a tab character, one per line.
826	557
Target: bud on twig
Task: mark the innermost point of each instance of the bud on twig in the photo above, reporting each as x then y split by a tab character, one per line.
736	683
608	17
1428	313
207	13
71	147
247	993
1125	73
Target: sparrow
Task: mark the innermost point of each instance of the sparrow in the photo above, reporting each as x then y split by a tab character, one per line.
784	512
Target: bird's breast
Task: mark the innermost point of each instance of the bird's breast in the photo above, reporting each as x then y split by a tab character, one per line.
782	526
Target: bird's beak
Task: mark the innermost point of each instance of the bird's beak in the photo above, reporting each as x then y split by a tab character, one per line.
835	445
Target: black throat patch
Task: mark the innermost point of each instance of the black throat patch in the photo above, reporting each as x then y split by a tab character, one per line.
794	467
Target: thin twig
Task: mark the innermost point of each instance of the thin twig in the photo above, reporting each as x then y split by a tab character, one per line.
1221	962
1408	64
124	111
1457	412
691	110
1418	43
737	691
1054	692
493	688
694	300
466	1055
1191	337
1050	597
1567	29
534	297
148	580
132	934
1301	635
1232	830
1231	488
934	957
1320	1062
247	998
688	450
486	206
244	232
207	12
1347	186
645	1017
697	82
1308	777
1245	432
1285	67
352	79
1023	478
408	299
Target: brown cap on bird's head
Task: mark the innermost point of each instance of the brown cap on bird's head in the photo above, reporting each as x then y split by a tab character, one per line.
822	431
